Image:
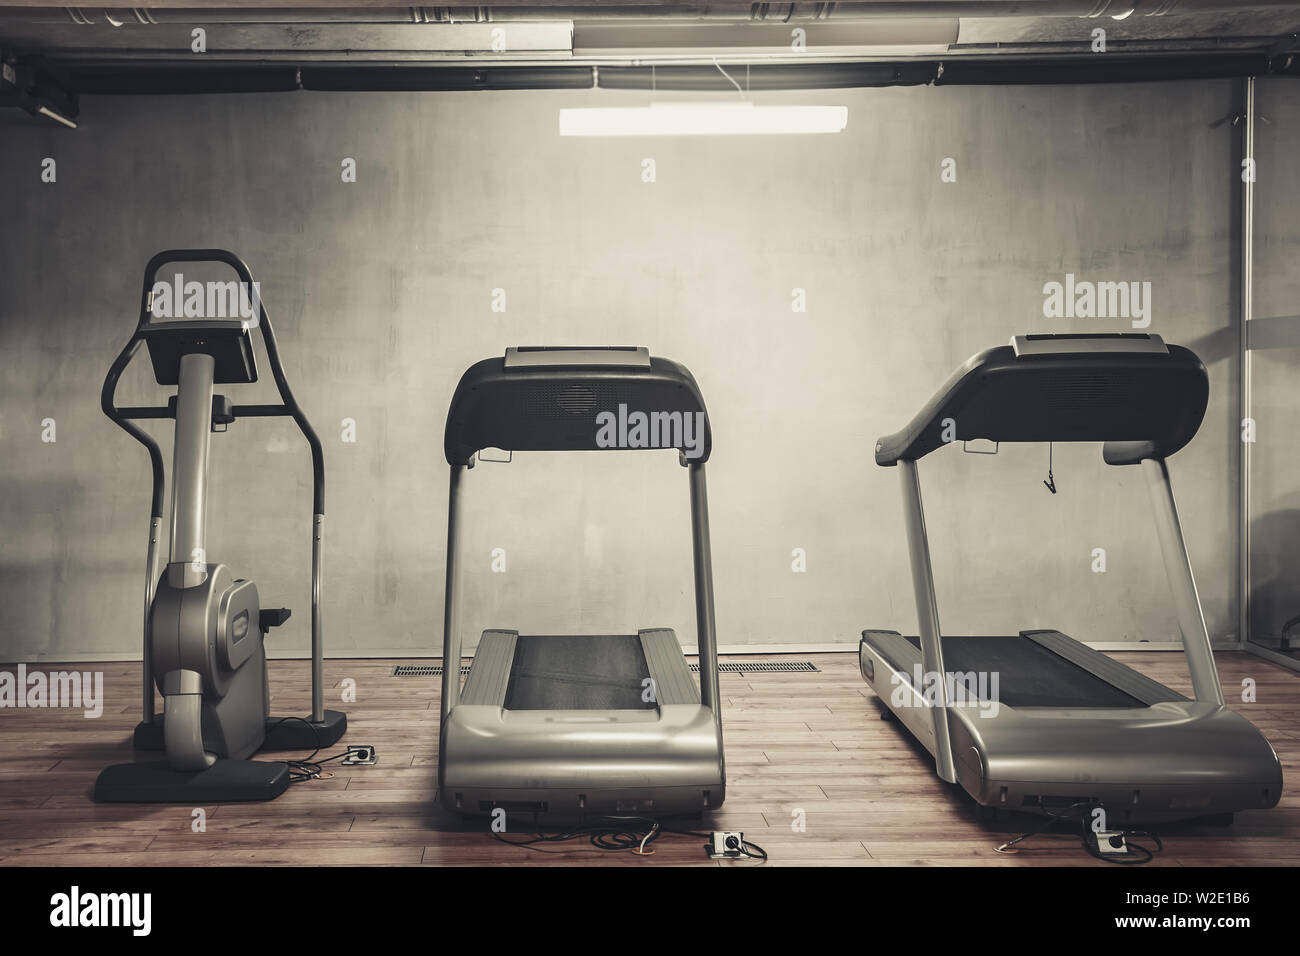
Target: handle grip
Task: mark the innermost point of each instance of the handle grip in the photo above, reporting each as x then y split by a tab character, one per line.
169	256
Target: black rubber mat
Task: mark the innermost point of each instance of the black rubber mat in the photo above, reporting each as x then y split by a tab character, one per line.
1029	675
605	672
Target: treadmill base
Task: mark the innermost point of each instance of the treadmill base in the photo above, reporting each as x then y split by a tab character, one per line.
1156	760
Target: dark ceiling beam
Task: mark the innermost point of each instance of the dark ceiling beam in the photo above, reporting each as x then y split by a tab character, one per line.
162	79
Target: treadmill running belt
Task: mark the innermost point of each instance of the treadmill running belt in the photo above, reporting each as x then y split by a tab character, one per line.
578	673
1029	675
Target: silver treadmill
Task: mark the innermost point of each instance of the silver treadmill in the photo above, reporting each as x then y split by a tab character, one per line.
566	725
1072	728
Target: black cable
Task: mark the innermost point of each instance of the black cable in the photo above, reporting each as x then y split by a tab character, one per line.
1053	820
306	768
1085	837
615	835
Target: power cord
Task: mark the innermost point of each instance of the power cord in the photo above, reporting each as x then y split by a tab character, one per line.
759	853
616	834
1089	840
613	836
1053	819
308	768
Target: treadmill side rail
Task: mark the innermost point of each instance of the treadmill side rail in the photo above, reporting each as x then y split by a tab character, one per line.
489	676
887	661
671	681
1120	676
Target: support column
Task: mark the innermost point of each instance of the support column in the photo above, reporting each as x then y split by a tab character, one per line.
1182	582
451	638
187	565
1246	220
927	613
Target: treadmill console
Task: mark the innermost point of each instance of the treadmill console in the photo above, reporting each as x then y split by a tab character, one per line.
610	356
1127	343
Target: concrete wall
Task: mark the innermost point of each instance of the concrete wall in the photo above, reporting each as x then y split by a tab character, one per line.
382	289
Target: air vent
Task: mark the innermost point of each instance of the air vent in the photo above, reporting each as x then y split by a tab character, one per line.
764	667
424	670
565	402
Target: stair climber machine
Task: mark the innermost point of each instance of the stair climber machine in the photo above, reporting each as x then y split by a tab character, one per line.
204	625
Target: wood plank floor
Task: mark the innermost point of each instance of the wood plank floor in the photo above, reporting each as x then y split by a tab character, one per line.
795	742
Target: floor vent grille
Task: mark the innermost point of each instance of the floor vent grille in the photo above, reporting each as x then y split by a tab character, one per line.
424	670
763	667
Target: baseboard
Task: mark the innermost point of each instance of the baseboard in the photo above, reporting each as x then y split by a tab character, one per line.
1268	654
731	650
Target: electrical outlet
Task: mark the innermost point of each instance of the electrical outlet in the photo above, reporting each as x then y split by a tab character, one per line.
1110	842
725	845
361	757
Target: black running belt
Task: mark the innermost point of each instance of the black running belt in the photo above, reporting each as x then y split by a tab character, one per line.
578	673
1029	675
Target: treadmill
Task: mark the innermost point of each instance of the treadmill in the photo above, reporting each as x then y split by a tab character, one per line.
1071	727
569	726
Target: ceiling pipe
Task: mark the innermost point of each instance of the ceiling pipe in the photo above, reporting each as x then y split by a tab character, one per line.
362	78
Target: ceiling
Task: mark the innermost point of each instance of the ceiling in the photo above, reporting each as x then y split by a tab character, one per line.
55	55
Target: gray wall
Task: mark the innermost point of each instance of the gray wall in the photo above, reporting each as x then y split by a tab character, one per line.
381	292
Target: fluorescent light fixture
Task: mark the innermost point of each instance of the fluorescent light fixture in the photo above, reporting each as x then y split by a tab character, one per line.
46	111
702	119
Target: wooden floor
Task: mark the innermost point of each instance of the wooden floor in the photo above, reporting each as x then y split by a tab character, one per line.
795	742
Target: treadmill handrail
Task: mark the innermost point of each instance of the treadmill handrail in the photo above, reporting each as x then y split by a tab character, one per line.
1044	394
576	400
